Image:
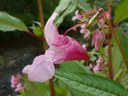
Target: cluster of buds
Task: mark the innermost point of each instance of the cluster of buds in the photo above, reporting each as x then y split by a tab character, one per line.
17	82
89	20
100	64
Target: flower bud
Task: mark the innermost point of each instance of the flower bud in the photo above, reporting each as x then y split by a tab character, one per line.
108	15
98	39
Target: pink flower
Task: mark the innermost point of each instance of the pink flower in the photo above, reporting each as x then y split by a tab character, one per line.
19	87
16	82
70	48
61	48
98	39
100	65
77	16
41	69
86	33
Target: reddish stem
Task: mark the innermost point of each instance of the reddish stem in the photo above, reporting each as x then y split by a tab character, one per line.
52	87
30	33
110	67
78	25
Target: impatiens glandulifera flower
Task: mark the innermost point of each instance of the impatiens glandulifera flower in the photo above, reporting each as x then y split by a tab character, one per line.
61	48
98	39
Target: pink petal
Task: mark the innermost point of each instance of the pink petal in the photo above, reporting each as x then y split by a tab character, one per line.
51	31
41	70
72	48
74	18
58	55
75	51
63	47
14	81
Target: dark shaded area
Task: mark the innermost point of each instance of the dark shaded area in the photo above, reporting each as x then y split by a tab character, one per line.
18	49
14	55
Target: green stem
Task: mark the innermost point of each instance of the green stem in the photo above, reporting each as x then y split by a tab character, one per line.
109	4
40	8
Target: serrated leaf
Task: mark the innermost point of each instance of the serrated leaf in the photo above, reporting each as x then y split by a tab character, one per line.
91	84
64	8
82	4
10	23
73	66
75	92
121	12
123	40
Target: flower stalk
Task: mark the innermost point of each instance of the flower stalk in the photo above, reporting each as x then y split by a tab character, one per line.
52	87
110	67
40	8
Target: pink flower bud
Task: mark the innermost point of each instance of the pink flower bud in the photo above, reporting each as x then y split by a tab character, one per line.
98	39
108	15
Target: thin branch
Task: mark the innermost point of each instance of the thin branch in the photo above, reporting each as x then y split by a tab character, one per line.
40	38
78	25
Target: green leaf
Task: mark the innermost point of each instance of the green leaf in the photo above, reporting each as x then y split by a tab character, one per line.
63	5
82	4
116	57
123	40
75	92
121	12
10	23
91	84
37	30
64	8
74	67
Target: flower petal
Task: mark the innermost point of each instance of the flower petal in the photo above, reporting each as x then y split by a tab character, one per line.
75	51
72	48
41	70
51	31
57	54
